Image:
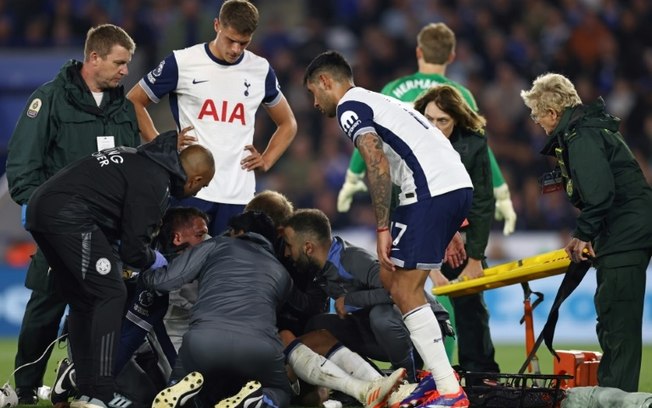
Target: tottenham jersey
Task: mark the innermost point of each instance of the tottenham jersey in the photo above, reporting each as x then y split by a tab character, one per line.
421	158
220	100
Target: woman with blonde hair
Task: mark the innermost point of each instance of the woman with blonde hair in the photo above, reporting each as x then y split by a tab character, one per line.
604	181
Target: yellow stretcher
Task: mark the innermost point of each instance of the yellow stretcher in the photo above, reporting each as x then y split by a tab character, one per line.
523	270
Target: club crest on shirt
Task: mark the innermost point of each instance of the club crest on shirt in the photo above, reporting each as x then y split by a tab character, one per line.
103	266
146	298
34	108
158	70
247	85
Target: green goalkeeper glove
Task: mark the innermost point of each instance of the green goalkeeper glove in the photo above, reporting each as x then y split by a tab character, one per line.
505	208
353	183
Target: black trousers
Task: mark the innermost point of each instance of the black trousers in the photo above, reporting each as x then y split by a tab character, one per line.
228	359
475	349
88	277
40	324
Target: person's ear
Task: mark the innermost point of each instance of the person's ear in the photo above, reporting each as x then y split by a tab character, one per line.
325	81
176	239
451	57
196	180
94	57
308	248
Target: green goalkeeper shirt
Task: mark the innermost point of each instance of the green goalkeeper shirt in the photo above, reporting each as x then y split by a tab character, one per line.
408	89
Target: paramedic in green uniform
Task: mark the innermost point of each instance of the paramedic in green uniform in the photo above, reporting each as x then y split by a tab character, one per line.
604	181
82	110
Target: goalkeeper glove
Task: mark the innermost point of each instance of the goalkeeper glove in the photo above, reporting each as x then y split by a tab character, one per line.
353	183
505	209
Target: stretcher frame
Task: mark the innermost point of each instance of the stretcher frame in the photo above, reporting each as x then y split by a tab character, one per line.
523	270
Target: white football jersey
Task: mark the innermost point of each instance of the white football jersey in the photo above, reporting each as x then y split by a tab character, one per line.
220	100
422	160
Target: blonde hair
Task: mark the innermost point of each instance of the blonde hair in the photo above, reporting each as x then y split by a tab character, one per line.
551	91
437	42
274	204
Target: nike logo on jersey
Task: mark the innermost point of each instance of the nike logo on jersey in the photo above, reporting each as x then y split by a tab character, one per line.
195	82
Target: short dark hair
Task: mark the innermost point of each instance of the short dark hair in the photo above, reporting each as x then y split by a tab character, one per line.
240	15
331	61
254	221
174	219
103	37
272	203
313	222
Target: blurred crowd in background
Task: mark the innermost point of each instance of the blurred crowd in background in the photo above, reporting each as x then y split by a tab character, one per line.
604	46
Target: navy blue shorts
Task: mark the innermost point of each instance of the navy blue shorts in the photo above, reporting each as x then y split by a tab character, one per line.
422	231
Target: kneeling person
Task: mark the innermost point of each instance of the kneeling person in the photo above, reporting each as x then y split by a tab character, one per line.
367	321
233	336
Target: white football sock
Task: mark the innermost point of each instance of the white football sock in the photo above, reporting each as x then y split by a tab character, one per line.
354	364
427	339
317	370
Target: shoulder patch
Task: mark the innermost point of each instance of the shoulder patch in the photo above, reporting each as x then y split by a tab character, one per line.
159	69
349	121
34	107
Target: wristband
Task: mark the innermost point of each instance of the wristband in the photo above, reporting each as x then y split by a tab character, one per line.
383	229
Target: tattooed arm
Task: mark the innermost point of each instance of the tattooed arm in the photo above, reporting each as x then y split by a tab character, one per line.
380	187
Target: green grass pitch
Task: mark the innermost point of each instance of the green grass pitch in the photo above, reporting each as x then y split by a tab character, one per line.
510	358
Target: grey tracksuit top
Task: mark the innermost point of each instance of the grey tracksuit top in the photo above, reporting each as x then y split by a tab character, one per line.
241	284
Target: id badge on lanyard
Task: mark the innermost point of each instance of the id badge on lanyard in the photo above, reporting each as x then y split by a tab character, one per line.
105	142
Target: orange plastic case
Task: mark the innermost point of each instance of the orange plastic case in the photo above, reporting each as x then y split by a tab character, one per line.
582	365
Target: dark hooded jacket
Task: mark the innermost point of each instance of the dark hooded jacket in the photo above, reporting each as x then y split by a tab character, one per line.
241	284
602	179
121	191
353	272
474	152
60	124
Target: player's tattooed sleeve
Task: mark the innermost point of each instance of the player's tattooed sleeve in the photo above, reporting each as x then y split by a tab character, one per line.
378	174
